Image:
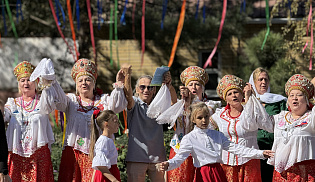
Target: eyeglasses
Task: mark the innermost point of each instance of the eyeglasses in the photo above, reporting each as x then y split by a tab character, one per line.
142	87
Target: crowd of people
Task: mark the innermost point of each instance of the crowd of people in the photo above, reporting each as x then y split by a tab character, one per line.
210	142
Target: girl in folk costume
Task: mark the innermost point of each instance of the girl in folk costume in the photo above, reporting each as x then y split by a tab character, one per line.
29	134
240	124
194	78
206	145
104	153
75	163
294	134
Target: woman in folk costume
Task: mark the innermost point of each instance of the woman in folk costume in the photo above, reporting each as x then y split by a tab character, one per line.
75	163
294	134
273	104
194	78
240	124
29	134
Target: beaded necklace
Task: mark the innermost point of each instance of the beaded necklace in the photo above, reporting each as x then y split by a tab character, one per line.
85	108
33	106
300	118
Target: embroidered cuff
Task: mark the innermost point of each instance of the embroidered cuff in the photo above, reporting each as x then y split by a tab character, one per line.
118	84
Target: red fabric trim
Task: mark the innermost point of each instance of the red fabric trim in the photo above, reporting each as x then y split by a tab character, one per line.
99	177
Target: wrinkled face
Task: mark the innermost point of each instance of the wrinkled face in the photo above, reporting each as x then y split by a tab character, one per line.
113	124
262	83
145	91
297	100
201	119
234	97
84	84
195	88
26	86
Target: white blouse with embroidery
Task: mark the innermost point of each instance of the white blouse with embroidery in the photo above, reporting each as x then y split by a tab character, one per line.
242	129
78	113
294	140
105	153
205	146
27	131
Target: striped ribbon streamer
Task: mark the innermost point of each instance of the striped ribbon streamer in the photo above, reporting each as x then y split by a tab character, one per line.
116	33
133	21
204	12
72	29
99	13
197	10
163	13
77	13
58	27
122	18
267	24
209	62
143	32
88	4
3	16
111	36
178	32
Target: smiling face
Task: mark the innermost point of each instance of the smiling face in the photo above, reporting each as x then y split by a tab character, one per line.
84	85
234	97
26	86
195	88
297	101
144	91
262	83
201	118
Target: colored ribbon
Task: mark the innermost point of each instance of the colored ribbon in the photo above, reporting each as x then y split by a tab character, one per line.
197	10
116	33
72	29
3	16
209	62
143	32
133	21
267	23
111	36
56	116
11	19
99	13
88	4
52	119
178	32
58	6
307	28
163	13
19	11
204	12
243	6
58	27
61	120
64	128
125	121
77	13
122	18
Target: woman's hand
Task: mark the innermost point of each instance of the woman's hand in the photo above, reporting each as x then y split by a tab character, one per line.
248	90
167	78
124	71
268	153
162	167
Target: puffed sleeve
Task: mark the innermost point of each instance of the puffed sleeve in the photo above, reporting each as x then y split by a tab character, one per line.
160	103
8	109
182	154
240	149
53	97
101	152
171	114
117	101
3	148
255	116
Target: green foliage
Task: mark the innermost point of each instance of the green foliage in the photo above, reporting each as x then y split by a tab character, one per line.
56	150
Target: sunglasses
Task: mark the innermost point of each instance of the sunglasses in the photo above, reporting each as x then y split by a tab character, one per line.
142	87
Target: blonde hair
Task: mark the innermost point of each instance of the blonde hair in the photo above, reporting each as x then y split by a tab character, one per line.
103	116
257	72
194	109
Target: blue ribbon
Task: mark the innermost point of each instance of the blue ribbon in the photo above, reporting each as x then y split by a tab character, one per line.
122	19
19	11
62	12
77	12
99	14
197	9
3	16
163	13
289	5
204	14
243	6
57	12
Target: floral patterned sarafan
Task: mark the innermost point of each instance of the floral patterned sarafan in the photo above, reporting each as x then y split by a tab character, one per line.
300	82
194	73
229	82
84	67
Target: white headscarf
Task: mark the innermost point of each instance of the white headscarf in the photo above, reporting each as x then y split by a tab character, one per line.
267	97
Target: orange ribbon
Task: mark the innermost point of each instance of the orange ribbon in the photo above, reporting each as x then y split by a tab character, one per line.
56	116
125	121
178	33
72	29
